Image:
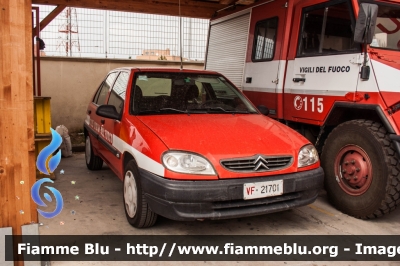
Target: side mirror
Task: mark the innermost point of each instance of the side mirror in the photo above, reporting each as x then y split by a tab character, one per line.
365	25
263	109
108	111
364	32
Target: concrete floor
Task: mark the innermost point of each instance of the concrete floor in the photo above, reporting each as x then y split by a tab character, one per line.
99	210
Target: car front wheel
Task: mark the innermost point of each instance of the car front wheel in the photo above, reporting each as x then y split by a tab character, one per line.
137	211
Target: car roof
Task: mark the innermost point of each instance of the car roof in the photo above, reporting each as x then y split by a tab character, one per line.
167	70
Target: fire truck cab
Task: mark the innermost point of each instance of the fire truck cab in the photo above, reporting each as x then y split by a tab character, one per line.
330	70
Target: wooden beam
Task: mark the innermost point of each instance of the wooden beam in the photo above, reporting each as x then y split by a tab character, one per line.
17	145
52	15
237	2
227	2
210	4
245	2
195	9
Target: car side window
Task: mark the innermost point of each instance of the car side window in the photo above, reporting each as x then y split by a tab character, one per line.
101	95
327	29
222	91
117	95
264	39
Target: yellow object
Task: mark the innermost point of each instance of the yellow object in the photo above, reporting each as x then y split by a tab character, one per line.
42	117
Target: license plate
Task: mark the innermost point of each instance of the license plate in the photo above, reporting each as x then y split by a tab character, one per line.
262	189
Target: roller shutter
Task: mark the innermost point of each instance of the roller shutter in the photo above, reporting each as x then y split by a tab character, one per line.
227	45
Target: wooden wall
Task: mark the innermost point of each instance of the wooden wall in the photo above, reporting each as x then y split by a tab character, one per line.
17	155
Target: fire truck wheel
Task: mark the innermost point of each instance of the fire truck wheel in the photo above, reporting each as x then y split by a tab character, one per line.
93	162
137	210
362	169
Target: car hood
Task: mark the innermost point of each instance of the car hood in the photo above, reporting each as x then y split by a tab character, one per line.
222	135
225	136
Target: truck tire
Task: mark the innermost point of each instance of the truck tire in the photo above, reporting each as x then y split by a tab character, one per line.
93	162
362	169
138	212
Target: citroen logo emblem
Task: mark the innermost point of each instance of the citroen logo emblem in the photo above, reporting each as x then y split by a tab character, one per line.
260	162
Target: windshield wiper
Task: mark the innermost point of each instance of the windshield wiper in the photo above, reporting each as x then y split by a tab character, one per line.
163	110
227	111
175	110
197	111
148	111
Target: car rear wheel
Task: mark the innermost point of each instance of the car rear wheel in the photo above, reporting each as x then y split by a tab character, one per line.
93	162
362	169
137	210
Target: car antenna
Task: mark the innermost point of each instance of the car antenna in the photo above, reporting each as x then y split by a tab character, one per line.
180	33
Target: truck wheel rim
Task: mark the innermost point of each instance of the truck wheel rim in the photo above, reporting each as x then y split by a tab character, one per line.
87	150
353	170
130	194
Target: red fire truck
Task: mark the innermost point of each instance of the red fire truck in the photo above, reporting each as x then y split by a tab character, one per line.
330	70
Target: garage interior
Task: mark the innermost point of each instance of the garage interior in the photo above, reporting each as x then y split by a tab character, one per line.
17	165
102	205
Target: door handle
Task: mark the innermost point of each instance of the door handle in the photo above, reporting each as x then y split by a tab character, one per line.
102	121
299	80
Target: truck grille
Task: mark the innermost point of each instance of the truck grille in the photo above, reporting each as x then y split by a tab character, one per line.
257	163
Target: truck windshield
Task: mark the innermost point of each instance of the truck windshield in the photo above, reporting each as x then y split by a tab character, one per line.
387	29
175	93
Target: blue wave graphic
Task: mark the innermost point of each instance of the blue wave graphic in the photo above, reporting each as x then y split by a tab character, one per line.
47	151
38	200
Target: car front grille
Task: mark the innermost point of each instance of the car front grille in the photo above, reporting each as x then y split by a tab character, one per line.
257	163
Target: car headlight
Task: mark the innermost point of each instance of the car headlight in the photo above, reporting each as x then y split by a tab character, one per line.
308	155
188	163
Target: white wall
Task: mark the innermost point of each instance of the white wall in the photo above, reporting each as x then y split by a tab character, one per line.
71	82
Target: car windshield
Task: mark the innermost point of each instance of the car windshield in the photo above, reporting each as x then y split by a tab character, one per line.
387	29
176	93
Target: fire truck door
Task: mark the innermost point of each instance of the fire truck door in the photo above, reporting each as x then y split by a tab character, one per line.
324	66
264	68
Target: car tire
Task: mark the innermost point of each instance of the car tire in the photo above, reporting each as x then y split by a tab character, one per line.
362	169
138	212
93	162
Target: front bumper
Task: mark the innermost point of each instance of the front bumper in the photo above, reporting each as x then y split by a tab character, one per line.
223	199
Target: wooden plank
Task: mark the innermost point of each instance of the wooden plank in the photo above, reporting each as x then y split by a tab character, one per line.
227	2
245	2
210	4
195	9
17	157
237	2
49	18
